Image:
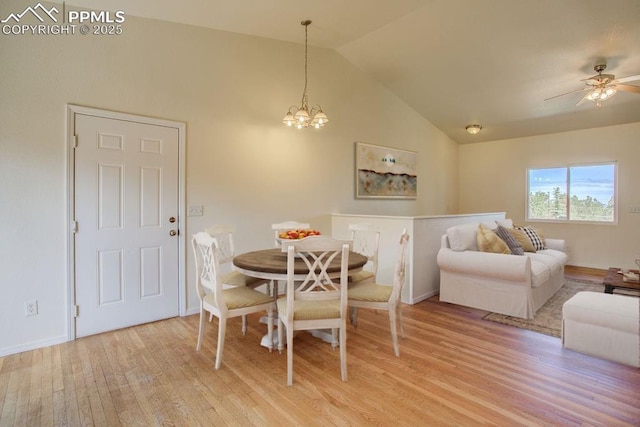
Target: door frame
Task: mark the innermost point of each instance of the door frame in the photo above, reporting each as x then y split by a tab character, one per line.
72	111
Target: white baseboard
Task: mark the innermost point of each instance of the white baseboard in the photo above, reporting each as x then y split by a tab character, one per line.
191	311
423	297
6	351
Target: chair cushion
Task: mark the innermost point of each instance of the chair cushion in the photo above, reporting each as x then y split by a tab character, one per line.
360	276
312	310
370	292
240	297
235	278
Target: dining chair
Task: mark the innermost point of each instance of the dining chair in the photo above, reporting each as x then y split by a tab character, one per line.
316	301
224	303
226	251
365	240
287	225
383	297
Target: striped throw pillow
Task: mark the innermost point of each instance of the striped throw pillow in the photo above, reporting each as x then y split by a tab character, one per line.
514	246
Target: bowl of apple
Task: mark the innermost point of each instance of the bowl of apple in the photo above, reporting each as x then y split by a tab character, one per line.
293	235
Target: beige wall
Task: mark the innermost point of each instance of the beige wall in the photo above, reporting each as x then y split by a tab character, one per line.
243	166
493	178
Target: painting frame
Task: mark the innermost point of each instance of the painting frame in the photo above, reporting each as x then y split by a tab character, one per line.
385	173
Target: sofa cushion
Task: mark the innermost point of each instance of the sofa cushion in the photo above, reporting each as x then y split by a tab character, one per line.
489	241
514	246
532	234
463	237
522	238
553	259
540	273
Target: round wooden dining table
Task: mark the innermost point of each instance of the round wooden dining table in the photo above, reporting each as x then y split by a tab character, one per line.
271	264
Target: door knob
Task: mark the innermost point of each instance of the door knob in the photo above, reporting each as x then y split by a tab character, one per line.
173	233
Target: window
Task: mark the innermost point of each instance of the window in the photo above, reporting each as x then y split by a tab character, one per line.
573	193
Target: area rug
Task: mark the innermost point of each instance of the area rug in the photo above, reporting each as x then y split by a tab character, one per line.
548	319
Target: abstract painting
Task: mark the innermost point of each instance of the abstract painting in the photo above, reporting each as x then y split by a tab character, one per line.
385	173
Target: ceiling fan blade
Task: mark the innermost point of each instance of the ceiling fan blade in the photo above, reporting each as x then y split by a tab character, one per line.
584	99
573	91
628	79
591	78
628	88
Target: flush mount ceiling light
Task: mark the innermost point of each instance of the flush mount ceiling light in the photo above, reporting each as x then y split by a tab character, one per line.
302	117
473	129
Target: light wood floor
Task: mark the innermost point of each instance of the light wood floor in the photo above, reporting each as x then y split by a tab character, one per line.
454	369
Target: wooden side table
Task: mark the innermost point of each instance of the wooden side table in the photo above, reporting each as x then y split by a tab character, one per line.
613	280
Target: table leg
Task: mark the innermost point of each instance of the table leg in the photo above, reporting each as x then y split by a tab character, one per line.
608	289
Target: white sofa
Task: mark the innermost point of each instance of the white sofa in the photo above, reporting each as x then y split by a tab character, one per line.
514	285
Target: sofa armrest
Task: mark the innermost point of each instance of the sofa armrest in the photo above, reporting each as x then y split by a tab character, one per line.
486	264
556	244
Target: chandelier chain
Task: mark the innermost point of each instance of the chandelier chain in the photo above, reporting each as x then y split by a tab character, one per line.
306	44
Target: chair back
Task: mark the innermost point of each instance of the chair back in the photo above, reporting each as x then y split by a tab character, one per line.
318	253
366	240
224	236
399	269
205	249
287	225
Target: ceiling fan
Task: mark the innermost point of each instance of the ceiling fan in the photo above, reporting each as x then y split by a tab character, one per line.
603	86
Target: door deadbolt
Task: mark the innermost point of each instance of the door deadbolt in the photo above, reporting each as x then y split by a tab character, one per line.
172	219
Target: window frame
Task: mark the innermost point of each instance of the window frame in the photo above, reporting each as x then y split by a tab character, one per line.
568	219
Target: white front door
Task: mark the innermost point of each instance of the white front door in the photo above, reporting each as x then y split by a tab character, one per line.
126	211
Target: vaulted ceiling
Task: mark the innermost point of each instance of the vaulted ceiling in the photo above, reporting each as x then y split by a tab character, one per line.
456	62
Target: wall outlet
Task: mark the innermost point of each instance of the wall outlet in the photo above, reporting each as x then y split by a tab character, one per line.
31	308
195	210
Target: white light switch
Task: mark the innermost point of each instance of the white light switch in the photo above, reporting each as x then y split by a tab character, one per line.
195	211
635	209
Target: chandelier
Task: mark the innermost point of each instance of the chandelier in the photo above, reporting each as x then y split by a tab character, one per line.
302	117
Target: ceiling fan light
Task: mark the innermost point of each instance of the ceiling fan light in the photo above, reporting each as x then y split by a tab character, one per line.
593	95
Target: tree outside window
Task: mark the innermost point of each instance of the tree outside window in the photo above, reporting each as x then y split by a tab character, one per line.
574	193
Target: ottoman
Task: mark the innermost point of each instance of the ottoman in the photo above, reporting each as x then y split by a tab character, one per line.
603	325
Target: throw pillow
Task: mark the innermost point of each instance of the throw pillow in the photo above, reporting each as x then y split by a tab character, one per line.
506	223
522	238
463	237
532	234
488	241
514	246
